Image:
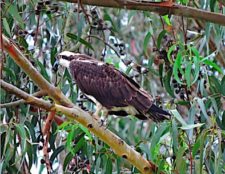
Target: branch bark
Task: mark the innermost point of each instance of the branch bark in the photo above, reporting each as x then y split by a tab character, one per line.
174	9
28	98
22	101
117	144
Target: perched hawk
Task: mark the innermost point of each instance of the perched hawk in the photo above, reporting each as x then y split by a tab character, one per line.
110	89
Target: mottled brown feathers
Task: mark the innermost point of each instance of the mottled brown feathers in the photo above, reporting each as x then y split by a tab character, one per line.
110	87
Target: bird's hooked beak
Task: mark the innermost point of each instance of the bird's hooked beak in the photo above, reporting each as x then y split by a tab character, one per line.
55	66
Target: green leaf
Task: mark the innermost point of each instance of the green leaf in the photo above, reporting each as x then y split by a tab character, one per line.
158	135
178	117
177	66
215	84
146	41
56	152
109	166
214	65
15	14
171	49
196	69
166	82
30	153
1	166
86	131
167	19
161	35
223	86
212	5
223	119
22	133
6	26
161	73
191	126
202	107
82	41
188	74
67	160
180	162
43	70
174	133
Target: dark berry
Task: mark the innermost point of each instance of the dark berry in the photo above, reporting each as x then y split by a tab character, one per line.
21	48
95	23
48	12
179	74
177	91
40	147
116	44
42	139
40	3
182	95
121	45
93	12
47	2
122	53
32	34
39	7
56	8
20	32
49	150
175	85
37	12
42	161
174	81
25	32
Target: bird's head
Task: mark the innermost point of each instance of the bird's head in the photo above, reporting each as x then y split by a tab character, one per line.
64	58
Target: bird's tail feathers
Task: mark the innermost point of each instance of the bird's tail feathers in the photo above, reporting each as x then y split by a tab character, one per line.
157	114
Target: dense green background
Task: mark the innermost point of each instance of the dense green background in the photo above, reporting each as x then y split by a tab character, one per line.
169	56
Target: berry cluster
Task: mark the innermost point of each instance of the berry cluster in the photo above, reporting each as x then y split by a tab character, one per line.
40	147
79	163
24	33
47	7
97	22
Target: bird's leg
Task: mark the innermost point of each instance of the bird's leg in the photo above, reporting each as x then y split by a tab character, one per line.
104	118
97	111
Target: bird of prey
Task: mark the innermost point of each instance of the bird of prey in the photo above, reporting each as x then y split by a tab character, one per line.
110	89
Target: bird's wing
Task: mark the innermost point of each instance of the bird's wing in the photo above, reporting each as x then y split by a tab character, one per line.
109	86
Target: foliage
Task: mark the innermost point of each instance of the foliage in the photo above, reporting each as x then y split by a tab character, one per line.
170	57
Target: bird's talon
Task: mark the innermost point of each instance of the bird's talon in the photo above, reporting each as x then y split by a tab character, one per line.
102	121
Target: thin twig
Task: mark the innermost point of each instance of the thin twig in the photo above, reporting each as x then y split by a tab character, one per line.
37	28
2	55
46	133
110	46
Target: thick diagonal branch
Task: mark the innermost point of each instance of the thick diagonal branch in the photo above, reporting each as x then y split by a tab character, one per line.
75	113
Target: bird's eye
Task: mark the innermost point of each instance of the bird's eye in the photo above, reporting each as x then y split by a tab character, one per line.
64	57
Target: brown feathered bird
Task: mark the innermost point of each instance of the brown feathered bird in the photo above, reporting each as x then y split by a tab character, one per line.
110	89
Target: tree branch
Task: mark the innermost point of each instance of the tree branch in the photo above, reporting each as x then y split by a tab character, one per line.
75	113
28	98
174	9
22	101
